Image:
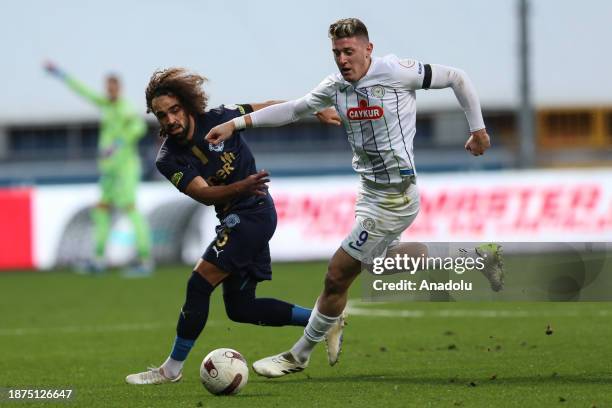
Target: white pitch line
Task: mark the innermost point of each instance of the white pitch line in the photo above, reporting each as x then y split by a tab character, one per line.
125	327
350	308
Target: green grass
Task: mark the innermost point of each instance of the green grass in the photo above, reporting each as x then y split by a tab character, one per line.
86	333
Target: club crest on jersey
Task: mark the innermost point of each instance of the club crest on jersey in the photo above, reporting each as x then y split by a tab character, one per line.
231	221
365	112
216	148
378	91
407	63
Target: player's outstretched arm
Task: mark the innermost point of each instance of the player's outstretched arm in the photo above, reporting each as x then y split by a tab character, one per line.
327	116
280	114
271	116
201	191
262	105
465	92
74	84
54	70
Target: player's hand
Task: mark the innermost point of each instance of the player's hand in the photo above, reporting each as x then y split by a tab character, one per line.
478	142
255	184
329	116
220	133
53	69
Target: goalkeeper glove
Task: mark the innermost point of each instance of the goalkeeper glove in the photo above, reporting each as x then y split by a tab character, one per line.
54	70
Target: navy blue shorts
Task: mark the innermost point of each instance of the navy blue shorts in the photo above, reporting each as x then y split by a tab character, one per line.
241	246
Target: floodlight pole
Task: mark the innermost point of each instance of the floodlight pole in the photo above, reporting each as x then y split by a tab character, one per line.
525	112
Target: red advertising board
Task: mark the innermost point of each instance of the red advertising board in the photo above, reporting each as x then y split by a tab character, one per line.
15	229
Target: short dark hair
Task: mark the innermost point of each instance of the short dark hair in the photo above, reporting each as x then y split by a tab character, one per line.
178	82
348	27
111	76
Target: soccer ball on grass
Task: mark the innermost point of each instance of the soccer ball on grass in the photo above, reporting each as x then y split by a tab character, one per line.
224	372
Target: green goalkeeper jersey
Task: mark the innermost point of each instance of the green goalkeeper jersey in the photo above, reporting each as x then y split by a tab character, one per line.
120	130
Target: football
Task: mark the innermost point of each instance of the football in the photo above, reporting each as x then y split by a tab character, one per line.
224	372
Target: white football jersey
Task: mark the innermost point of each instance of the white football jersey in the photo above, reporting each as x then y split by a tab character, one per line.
379	115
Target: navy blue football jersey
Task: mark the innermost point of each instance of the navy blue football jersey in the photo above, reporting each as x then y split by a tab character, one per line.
223	164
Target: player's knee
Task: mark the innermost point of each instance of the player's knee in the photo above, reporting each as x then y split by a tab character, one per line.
335	281
198	294
237	310
240	315
339	276
236	315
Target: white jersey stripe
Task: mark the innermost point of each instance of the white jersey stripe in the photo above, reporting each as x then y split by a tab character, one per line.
357	155
399	166
370	126
399	121
366	142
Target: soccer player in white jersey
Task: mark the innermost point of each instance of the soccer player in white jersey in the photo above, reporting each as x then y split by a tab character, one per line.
375	98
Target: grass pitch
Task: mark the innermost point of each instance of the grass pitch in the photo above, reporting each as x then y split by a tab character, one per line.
59	330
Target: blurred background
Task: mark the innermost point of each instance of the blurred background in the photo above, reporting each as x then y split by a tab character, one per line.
540	66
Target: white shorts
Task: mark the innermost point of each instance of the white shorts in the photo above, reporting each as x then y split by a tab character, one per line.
382	213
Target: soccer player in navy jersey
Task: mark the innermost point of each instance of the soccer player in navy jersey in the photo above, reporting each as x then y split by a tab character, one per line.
223	175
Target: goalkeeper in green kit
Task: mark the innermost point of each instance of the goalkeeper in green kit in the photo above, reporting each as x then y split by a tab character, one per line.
119	166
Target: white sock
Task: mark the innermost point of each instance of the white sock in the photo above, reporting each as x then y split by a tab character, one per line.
314	333
302	349
172	368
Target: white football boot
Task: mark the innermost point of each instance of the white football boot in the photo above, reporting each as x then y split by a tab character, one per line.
333	340
153	376
278	365
494	264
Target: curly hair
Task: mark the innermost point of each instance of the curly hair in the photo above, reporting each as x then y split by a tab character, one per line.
180	83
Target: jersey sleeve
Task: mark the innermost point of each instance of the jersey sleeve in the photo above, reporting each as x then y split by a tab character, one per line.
225	113
86	92
409	73
229	112
322	96
179	173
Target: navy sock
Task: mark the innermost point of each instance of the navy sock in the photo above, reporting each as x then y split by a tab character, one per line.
195	310
242	306
300	315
